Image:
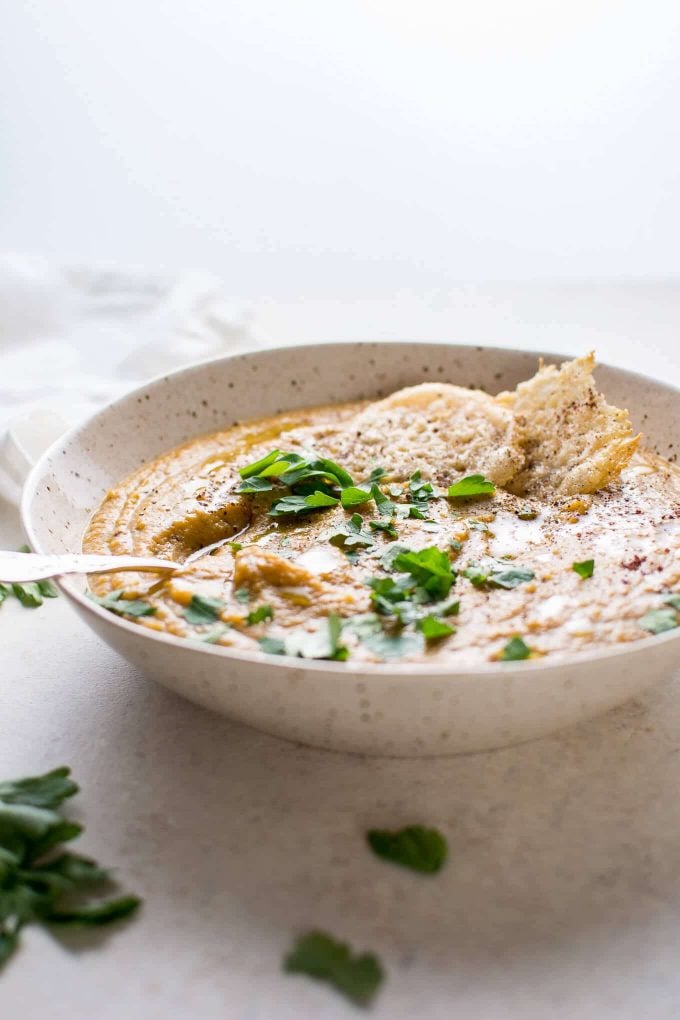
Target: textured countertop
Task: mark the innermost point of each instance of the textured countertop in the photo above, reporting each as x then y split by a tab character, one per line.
562	894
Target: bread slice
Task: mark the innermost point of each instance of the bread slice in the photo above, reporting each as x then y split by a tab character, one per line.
439	429
574	441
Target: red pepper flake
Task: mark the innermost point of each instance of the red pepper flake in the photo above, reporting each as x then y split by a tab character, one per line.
635	563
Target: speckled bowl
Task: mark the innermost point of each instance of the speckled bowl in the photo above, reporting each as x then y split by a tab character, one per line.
381	709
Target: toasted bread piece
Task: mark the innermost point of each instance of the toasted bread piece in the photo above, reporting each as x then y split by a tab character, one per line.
575	442
439	429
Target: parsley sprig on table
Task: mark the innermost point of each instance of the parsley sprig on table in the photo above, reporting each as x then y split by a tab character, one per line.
39	881
31	593
323	957
413	847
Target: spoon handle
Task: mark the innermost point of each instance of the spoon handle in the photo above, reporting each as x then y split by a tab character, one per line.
22	567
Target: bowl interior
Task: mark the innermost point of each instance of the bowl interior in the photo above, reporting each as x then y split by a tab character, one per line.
72	478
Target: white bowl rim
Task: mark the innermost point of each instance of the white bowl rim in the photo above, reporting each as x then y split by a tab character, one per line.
346	669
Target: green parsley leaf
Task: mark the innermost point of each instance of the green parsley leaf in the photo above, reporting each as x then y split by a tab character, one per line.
98	914
211	637
323	643
414	847
320	956
353	496
272	646
255	484
388	645
48	590
386	526
203	610
349	534
46	791
433	628
259	615
390	596
584	569
259	465
431	568
5	590
235	546
376	474
29	594
302	504
242	595
115	603
515	650
390	554
385	506
656	621
497	575
471	485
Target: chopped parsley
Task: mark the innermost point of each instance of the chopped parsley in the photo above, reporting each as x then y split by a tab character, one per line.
302	504
242	595
385	526
259	615
272	646
320	956
471	485
385	506
323	643
419	495
584	569
433	629
497	575
430	568
350	534
30	593
413	847
115	602
353	496
313	482
40	882
656	621
203	610
515	650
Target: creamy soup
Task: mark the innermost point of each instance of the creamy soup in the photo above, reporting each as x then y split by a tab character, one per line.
440	524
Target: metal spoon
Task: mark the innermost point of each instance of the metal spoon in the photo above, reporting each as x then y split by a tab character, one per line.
21	567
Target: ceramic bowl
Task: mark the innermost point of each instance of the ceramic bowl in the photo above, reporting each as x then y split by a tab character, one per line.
373	709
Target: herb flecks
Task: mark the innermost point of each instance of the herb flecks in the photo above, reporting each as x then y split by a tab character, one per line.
584	569
413	847
321	956
40	882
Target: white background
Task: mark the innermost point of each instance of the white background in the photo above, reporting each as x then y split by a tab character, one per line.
308	148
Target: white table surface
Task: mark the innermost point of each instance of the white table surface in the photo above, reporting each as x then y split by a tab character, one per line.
562	895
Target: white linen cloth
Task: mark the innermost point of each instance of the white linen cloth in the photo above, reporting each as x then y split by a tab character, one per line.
72	338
